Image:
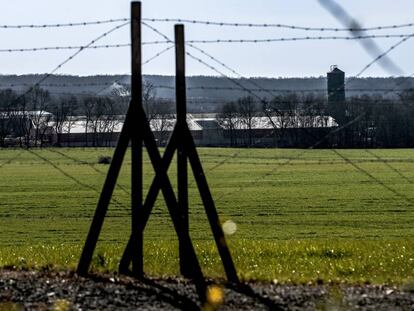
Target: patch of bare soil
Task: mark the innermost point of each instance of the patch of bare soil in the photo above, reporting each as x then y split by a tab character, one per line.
33	290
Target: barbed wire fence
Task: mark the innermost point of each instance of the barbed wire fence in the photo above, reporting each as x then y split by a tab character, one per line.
252	93
76	160
372	48
347	160
254	89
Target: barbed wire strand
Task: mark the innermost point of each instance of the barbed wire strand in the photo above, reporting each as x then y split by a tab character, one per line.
375	60
225	66
70	58
389	165
221	74
194	88
73	159
61	85
307	38
69	176
214	69
158	54
207	23
378	181
370	45
379	57
252	82
76	47
346	159
93	167
305	162
82	48
147	61
280	165
209	66
46	77
210	41
71	24
63	48
274	25
235	72
79	161
303	152
12	159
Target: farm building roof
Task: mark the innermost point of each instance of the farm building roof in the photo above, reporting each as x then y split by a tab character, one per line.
296	121
34	113
79	125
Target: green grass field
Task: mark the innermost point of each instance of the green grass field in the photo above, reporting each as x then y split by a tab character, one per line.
301	215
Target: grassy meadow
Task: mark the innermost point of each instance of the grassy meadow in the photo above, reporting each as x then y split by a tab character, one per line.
301	215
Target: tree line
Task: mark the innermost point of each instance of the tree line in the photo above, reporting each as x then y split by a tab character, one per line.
365	121
33	117
37	118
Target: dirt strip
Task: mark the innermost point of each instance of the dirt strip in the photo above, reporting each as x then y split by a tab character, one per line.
26	290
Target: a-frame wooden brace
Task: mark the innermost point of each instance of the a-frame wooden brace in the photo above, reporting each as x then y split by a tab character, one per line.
137	130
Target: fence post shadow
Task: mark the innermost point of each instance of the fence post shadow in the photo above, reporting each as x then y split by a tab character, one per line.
245	289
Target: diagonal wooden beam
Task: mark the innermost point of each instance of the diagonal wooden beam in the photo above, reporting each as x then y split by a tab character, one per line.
138	132
210	208
184	238
104	199
150	200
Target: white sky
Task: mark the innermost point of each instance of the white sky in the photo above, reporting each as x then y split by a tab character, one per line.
295	59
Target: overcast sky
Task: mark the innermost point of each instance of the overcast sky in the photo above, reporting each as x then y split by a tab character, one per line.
288	59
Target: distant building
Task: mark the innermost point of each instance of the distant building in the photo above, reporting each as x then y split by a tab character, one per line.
38	128
296	131
336	94
336	85
77	132
292	131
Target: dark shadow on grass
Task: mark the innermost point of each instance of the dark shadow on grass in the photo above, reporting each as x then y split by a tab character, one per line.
248	291
152	288
183	302
171	296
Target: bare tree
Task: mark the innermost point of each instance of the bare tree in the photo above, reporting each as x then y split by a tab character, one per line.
159	113
281	112
62	110
247	110
229	119
38	100
148	100
8	100
24	123
105	121
101	118
162	120
88	106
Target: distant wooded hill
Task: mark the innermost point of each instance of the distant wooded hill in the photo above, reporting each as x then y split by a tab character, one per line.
205	89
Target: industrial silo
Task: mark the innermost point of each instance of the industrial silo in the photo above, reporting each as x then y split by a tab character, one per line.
336	85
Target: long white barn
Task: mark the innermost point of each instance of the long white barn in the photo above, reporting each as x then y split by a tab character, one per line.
207	131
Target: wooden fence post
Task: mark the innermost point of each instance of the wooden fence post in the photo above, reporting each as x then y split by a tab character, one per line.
182	169
136	141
